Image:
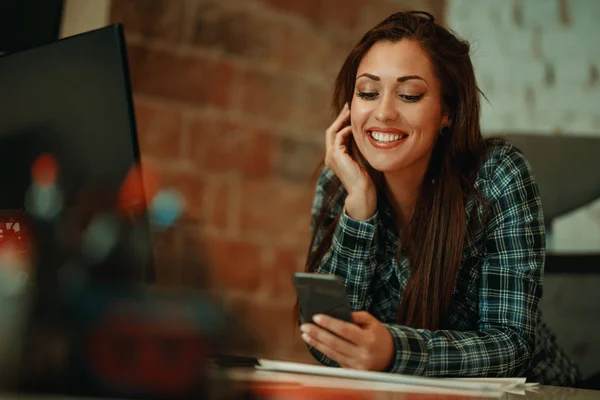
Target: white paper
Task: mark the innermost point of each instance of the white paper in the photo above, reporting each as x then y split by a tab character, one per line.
480	385
290	380
516	381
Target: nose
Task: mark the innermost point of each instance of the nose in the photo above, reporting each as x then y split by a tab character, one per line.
386	109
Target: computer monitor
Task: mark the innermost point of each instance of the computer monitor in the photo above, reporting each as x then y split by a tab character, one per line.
102	335
72	99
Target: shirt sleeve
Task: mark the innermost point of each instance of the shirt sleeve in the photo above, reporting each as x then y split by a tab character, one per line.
509	293
351	255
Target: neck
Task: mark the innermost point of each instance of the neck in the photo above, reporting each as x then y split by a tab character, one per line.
403	189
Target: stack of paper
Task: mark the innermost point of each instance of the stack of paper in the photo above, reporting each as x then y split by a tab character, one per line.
322	376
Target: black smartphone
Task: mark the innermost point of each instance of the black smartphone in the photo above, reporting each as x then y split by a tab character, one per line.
321	294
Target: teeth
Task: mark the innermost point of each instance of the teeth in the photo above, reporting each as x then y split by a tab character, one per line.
384	137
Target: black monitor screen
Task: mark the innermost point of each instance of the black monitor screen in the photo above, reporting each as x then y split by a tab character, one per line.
70	99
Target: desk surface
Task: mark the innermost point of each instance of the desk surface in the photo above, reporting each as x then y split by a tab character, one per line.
299	386
270	385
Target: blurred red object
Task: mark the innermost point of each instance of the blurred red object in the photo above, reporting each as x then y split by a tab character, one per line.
155	355
137	190
14	232
293	392
44	170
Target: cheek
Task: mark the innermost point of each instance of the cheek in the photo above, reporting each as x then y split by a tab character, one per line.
426	120
358	116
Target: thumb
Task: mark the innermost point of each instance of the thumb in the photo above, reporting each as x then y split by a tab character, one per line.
362	318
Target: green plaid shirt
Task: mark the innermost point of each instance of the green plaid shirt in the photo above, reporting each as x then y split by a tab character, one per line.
494	326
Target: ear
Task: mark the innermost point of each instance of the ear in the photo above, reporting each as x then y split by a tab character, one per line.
446	117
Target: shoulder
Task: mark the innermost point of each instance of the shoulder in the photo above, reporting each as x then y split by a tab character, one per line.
503	167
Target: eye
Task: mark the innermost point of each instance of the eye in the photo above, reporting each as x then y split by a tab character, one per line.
367	95
411	99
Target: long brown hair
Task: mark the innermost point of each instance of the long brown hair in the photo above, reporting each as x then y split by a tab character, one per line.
434	237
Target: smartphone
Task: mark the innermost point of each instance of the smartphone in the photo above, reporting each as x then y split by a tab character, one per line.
321	294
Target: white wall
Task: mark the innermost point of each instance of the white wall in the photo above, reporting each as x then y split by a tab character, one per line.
84	15
538	62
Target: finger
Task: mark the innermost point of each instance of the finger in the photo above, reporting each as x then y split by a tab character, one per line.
340	137
362	318
346	330
332	341
326	350
337	125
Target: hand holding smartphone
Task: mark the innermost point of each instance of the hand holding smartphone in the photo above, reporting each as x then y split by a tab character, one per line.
321	294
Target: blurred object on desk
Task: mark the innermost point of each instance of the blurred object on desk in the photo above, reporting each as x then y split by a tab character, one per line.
82	316
92	329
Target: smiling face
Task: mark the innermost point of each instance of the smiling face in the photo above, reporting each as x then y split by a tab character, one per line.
396	111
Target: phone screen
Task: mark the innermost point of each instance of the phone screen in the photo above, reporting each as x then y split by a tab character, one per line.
322	294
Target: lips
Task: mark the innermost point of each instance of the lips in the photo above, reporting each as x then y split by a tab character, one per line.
386	138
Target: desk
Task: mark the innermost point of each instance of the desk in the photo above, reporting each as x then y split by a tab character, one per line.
329	388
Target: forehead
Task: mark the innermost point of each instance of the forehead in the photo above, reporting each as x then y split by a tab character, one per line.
404	57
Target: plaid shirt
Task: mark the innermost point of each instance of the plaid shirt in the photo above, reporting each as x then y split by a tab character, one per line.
494	323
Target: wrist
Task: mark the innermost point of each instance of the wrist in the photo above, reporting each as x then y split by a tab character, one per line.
361	205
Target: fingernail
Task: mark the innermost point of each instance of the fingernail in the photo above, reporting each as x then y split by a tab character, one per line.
318	319
305	337
304	327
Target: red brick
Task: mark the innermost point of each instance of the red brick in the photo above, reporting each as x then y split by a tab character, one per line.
219	196
231	147
199	128
347	16
224	146
159	130
178	259
234	264
302	49
183	77
285	263
269	95
162	19
192	187
314	100
279	210
298	160
239	33
307	9
340	46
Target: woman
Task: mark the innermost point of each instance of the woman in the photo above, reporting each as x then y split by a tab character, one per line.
437	233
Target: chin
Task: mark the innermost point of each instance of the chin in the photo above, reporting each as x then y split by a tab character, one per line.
385	161
385	166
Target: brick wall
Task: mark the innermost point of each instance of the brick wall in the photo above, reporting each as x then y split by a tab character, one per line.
232	99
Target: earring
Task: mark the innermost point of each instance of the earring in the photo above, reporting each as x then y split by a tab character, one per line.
445	130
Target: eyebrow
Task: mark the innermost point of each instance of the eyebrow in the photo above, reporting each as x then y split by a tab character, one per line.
400	79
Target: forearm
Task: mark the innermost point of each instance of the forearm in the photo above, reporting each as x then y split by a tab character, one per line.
352	258
490	353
